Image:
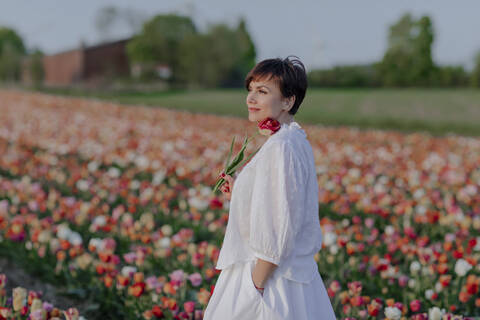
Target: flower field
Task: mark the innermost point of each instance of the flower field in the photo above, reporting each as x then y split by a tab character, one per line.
114	205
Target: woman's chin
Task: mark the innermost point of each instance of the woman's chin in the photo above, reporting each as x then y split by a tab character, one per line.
253	117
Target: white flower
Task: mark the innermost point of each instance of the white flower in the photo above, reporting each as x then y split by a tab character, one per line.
389	230
82	185
164	242
415	267
158	177
418	194
435	313
97	243
462	267
92	166
428	294
142	162
477	246
166	229
329	238
438	287
134	184
411	283
393	313
128	270
63	231
99	221
198	203
334	249
114	172
75	238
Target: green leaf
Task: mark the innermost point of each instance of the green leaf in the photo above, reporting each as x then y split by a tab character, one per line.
230	153
233	169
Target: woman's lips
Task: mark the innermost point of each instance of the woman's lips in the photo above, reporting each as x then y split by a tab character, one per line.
253	109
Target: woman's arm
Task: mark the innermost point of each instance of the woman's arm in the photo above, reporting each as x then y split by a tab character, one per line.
262	271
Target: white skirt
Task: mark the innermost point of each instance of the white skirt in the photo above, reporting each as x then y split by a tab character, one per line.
236	298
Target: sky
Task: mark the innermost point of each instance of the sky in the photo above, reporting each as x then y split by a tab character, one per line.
322	33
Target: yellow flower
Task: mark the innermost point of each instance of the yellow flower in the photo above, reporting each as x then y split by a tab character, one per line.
19	298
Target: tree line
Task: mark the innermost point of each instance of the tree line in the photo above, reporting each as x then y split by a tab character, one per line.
407	62
221	56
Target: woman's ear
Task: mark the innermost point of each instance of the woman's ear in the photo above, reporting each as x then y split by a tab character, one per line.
288	103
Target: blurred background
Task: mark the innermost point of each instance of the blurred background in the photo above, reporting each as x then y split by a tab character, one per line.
409	65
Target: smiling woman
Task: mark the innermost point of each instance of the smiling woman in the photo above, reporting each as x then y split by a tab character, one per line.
273	232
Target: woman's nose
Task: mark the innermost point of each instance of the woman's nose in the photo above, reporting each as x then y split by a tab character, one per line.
250	98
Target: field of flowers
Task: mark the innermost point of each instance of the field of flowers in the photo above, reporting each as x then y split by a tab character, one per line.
113	204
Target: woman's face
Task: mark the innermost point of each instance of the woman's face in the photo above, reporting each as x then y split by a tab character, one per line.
264	100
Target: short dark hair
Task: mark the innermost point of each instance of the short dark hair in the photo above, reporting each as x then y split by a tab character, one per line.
289	74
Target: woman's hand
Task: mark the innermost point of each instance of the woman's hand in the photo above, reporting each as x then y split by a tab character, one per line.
227	186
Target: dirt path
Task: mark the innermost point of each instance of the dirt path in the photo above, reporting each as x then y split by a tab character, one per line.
16	277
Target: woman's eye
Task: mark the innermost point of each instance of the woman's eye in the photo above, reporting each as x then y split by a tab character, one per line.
264	92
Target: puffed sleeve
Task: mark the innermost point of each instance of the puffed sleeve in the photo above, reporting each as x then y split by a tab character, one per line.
277	202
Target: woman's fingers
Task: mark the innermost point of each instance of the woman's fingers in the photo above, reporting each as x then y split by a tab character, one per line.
229	180
227	186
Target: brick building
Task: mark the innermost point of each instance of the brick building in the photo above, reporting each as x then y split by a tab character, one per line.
85	65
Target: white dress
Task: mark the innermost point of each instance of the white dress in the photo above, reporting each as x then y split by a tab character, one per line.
273	216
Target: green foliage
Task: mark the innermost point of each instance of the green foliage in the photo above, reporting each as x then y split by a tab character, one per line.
221	57
475	78
37	71
345	77
12	51
450	76
408	59
160	41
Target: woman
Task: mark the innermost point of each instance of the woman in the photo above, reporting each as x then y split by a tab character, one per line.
273	230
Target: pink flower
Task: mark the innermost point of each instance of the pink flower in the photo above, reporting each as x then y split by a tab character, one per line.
130	257
269	126
71	314
195	279
177	276
189	306
403	280
415	305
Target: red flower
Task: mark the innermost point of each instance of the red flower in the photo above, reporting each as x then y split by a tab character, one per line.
269	126
157	311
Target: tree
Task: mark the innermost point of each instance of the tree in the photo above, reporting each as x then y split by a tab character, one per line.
12	50
108	16
37	71
246	55
408	59
475	77
422	52
220	57
160	41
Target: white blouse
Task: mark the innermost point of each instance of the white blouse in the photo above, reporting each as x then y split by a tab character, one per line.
273	212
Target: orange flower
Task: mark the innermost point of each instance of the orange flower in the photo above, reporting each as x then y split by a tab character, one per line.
445	280
137	289
122	281
108	281
464	296
138	277
442	268
356	301
390	302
